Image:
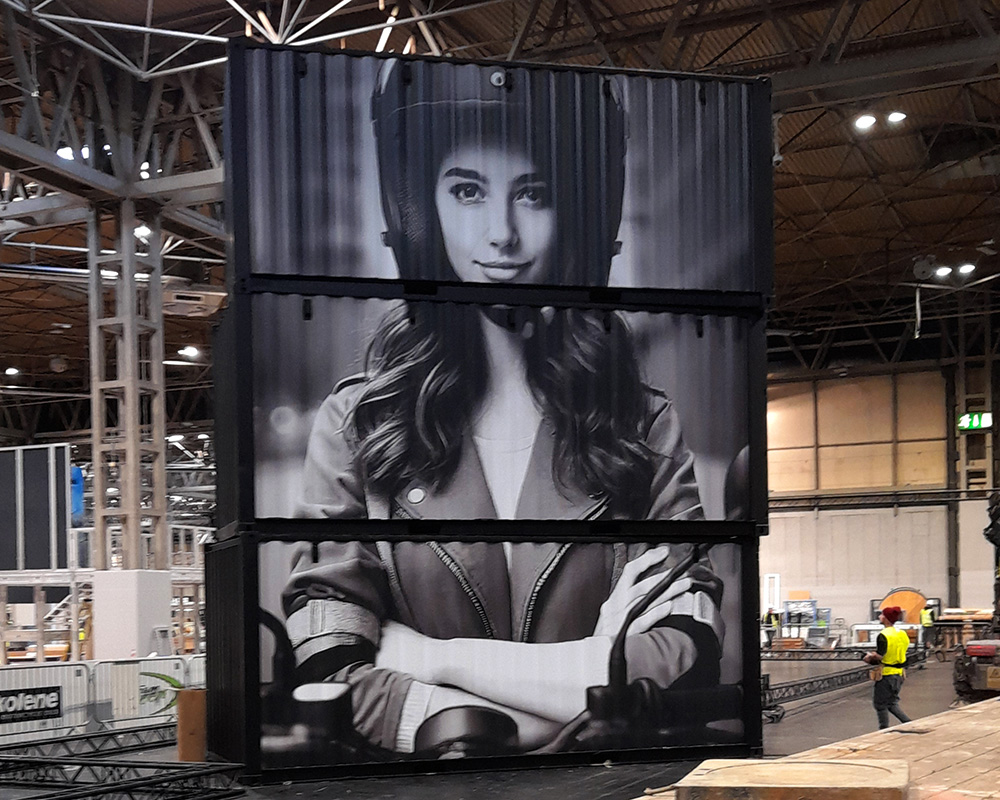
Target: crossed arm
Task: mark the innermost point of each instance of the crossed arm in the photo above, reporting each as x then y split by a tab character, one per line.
542	686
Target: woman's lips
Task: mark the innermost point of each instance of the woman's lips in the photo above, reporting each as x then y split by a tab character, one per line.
503	270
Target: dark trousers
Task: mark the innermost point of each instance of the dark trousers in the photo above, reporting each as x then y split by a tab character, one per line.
886	700
930	636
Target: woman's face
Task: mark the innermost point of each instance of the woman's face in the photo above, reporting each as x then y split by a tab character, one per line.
496	215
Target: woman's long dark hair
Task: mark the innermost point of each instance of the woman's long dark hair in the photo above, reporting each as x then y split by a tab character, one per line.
426	365
426	378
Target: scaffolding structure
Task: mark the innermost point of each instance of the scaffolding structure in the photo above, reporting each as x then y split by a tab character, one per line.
127	394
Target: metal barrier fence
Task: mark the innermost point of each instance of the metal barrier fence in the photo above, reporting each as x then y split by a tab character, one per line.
94	695
196	672
137	689
73	681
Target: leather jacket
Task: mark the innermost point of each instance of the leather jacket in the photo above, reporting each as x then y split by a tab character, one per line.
340	593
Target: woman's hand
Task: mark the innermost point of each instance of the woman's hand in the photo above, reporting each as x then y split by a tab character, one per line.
630	590
402	649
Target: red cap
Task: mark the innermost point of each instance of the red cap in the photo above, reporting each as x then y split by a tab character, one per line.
892	613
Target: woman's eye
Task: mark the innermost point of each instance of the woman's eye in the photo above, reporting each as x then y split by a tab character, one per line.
533	195
467	192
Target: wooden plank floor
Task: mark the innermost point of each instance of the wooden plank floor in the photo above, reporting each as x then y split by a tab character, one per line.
954	755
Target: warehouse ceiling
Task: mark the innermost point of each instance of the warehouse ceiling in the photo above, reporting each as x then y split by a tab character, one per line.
862	217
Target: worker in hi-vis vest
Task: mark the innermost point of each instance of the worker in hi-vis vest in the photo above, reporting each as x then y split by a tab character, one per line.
890	654
770	622
927	623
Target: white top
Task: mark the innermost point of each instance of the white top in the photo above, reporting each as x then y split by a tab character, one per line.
505	463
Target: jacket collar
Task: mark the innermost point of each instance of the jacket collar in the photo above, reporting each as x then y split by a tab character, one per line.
466	496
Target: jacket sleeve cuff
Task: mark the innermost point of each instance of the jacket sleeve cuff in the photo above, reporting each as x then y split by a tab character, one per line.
414	712
324	624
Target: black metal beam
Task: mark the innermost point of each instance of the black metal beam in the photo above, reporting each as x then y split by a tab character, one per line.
76	778
123	740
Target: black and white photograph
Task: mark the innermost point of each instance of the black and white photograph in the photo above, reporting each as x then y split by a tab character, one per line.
373	409
380	409
499	174
430	650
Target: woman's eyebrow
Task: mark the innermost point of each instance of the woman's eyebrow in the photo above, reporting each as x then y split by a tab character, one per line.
527	178
468	174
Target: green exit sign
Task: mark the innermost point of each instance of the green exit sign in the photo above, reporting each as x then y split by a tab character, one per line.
976	421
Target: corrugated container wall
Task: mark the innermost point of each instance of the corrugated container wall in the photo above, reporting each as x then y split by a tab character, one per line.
492	462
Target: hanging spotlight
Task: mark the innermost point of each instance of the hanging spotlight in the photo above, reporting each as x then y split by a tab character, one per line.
943	272
10	372
864	122
189	352
896	117
967	269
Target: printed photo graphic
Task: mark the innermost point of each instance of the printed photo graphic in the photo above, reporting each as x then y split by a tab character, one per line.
384	410
378	651
372	409
375	410
498	174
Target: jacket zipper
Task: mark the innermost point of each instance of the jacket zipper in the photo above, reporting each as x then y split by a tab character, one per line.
456	570
529	613
395	585
595	512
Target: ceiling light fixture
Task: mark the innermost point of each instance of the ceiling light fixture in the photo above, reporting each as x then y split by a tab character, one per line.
175	437
943	272
189	351
896	117
864	122
142	231
967	269
11	371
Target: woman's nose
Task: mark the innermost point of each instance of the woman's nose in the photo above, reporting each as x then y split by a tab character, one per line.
503	227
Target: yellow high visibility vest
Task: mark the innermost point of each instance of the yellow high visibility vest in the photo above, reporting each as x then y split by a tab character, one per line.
926	617
898	642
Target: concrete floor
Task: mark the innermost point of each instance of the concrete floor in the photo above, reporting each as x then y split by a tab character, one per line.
849	713
807	724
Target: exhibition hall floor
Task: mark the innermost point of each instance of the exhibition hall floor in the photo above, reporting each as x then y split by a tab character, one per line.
808	724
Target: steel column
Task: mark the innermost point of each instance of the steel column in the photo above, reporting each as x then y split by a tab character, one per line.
130	453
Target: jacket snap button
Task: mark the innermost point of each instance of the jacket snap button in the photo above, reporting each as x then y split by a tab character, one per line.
416	495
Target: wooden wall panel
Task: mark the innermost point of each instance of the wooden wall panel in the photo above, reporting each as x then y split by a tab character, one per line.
855	411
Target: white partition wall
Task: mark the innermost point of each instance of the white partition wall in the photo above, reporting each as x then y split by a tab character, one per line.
975	556
129	607
845	558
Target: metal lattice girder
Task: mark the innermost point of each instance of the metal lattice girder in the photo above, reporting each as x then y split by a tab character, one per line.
892	74
852	210
127	394
74	778
837	654
797	690
808	687
83	183
99	743
181	575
